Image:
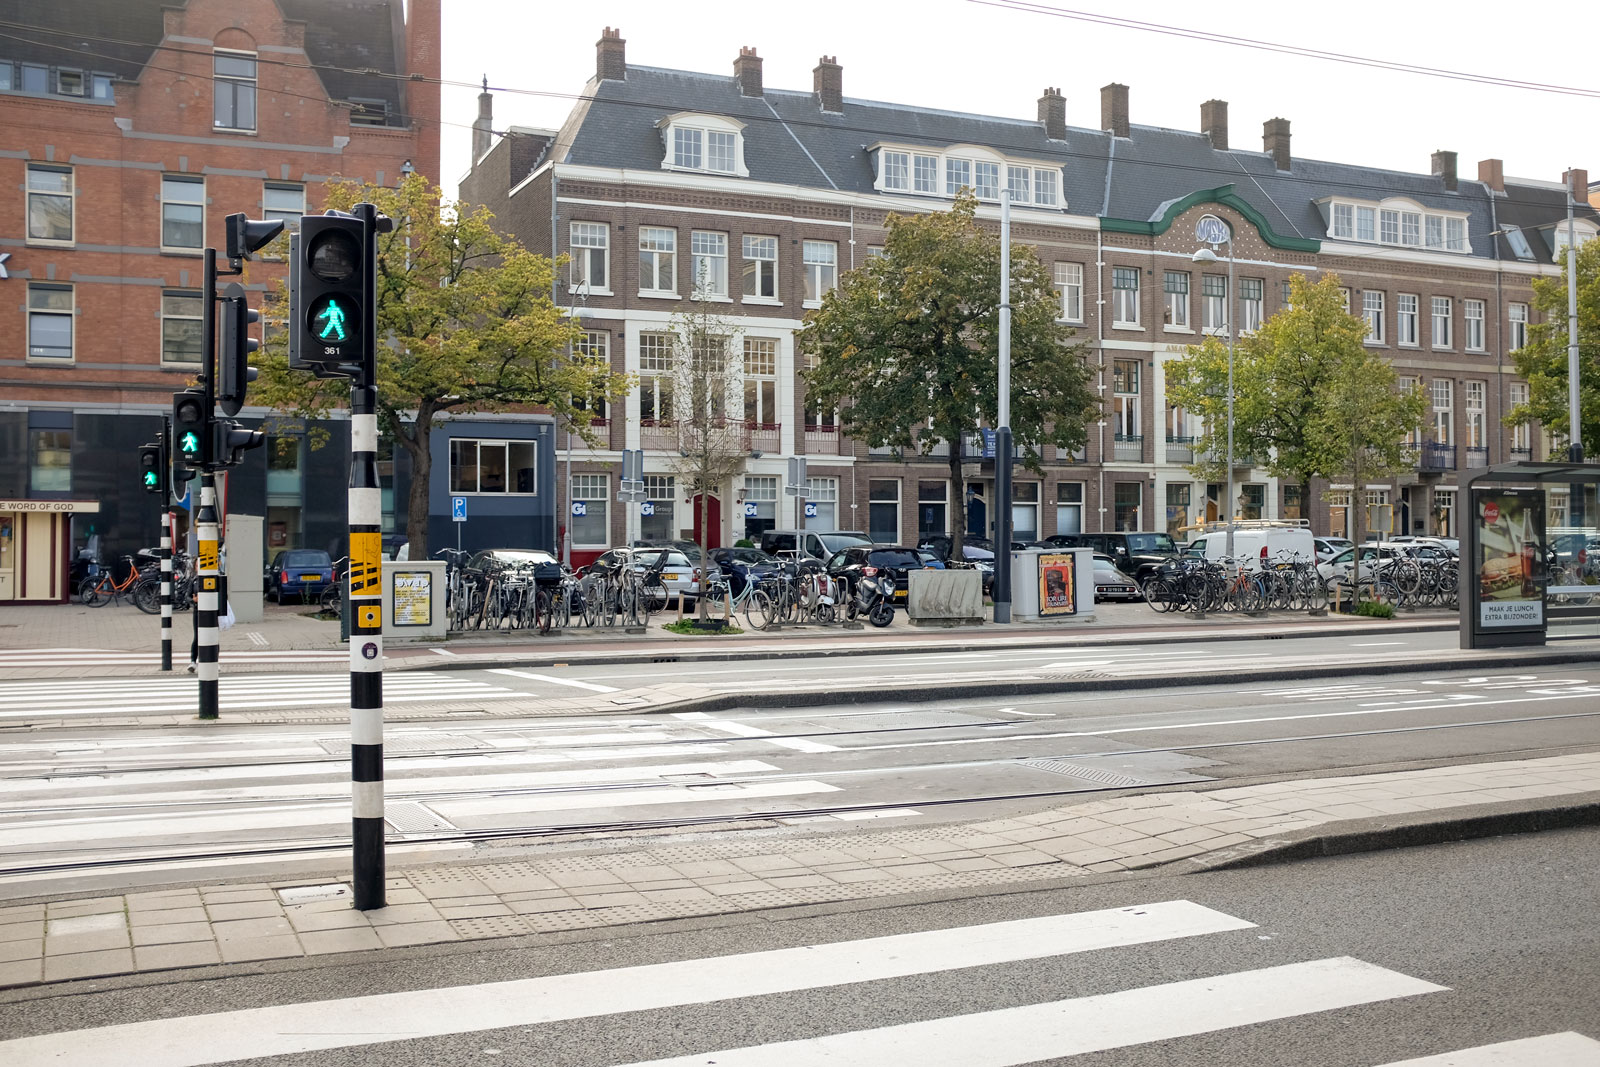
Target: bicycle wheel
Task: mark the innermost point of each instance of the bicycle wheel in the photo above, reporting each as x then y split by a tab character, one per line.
543	608
146	596
89	592
593	593
758	609
332	600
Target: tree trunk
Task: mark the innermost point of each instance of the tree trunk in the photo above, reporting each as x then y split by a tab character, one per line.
958	506
705	554
416	444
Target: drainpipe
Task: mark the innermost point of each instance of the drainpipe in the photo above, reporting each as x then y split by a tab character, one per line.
1100	337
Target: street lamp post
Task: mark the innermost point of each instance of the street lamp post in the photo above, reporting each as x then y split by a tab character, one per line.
1214	231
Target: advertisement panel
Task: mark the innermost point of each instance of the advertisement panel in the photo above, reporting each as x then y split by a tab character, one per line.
1510	565
413	598
1057	584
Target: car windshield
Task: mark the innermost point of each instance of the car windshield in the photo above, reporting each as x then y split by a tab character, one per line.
1156	542
517	557
894	557
306	559
835	541
749	555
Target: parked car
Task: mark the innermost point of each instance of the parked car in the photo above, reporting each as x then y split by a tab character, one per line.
852	563
810	544
1135	553
744	565
1449	544
1112	584
488	558
1256	544
300	572
1328	547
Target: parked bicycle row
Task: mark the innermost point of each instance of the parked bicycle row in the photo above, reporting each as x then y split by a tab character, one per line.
1294	583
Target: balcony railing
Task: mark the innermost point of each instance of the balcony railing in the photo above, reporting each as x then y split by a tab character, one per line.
1519	454
1128	448
825	441
1477	456
1180	449
1436	457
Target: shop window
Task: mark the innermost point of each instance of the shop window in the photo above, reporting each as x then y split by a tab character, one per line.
659	509
1069	507
932	501
1253	501
592	529
481	466
1127	498
760	504
1025	511
50	467
1178	502
883	510
822	496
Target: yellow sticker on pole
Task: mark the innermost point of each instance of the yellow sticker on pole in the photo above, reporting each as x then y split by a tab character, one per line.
208	555
369	616
209	584
366	564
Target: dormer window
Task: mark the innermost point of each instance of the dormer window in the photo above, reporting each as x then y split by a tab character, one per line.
704	143
1396	222
907	170
1585	232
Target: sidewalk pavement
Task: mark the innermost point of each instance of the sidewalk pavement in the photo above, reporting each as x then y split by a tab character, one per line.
620	883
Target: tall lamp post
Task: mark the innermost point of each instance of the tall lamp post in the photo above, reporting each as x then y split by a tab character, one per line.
1214	232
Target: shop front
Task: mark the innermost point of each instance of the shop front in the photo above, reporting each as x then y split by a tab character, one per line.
36	549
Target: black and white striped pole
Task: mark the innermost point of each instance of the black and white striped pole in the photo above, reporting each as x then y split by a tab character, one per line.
207	667
166	589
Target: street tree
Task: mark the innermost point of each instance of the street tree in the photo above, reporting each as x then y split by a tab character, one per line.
466	323
1542	362
907	346
1360	426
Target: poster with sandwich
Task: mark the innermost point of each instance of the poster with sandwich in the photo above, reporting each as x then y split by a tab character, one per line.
1510	563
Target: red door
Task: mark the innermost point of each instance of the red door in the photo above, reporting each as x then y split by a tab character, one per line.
713	518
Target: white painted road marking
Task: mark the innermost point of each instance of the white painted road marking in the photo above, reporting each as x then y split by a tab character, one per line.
283	1030
1553	1050
1013	1036
739	729
558	681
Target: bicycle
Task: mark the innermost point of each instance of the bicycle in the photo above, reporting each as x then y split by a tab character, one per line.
332	600
105	589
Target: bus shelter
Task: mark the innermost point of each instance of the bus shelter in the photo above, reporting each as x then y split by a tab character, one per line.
1530	554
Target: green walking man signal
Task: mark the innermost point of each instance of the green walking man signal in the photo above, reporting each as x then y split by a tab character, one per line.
331	319
189	443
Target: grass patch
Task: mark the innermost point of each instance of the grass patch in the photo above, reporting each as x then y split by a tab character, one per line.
1372	609
688	628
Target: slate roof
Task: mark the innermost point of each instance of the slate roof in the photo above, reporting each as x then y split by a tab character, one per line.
1148	170
339	33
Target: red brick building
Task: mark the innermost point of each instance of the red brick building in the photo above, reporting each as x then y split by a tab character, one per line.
129	129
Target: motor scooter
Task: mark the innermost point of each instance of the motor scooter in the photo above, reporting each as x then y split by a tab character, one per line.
874	598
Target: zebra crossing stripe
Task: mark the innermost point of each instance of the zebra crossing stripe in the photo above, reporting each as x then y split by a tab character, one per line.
1552	1050
1012	1036
258	1033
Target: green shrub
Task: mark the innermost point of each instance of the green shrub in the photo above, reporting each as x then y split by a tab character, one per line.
688	628
744	542
1375	610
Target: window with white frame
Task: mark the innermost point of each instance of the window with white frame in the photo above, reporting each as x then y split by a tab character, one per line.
957	176
1443	411
1443	318
896	170
1338	510
903	169
705	143
1025	511
490	466
1435	231
1389	226
658	269
722	151
761	499
1403	226
1214	294
1344	220
883	510
50	312
233	90
1366	223
594	346
1444	512
50	204
1286	294
657	517
1125	399
1455	235
1521	432
1069	507
1410	228
821	260
1125	296
1472	314
708	259
592	529
183	213
1405	320
284	202
823	495
1069	280
181	328
924	174
1046	185
760	268
932	500
1372	312
688	148
986	180
1253	501
1176	285
590	266
1517	318
761	382
1252	303
1344	295
655	379
1019	183
1477	415
1404	385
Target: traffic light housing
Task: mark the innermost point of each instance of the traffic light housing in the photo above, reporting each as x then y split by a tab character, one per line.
230	440
189	428
327	290
153	469
237	344
246	235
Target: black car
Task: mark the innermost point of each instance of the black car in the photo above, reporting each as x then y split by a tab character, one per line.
1136	554
851	564
744	565
301	572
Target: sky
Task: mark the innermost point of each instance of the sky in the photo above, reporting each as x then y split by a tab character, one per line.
972	56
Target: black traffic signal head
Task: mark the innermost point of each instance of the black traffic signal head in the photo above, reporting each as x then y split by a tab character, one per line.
231	440
189	430
246	235
237	344
332	272
152	471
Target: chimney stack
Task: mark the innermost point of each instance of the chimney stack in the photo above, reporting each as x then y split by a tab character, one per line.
1577	183
1053	114
747	72
1275	141
611	56
827	85
1114	109
1492	172
483	125
1444	166
1214	123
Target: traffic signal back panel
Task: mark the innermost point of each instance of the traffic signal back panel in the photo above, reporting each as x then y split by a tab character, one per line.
331	273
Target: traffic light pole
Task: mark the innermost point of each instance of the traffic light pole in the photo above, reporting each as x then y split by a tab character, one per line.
166	585
366	595
207	667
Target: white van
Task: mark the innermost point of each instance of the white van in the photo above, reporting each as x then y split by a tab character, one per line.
1255	542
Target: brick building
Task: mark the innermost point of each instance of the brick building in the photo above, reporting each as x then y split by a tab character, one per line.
659	177
128	130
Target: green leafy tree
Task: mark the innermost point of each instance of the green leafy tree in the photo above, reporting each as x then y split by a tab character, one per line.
1360	425
1543	360
907	346
465	324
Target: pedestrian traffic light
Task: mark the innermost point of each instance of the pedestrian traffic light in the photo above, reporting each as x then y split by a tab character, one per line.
237	344
230	440
189	426
246	235
152	468
329	286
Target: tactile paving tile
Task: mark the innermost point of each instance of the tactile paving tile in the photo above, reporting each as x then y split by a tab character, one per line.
491	926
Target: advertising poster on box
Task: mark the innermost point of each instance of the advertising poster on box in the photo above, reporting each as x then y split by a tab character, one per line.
1510	563
1057	584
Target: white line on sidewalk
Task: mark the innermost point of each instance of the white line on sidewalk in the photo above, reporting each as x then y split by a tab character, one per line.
1553	1050
739	729
283	1030
442	652
558	681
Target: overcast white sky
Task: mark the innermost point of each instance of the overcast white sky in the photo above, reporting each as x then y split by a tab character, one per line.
965	56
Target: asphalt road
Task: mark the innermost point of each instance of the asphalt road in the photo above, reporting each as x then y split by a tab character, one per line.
1372	959
81	808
